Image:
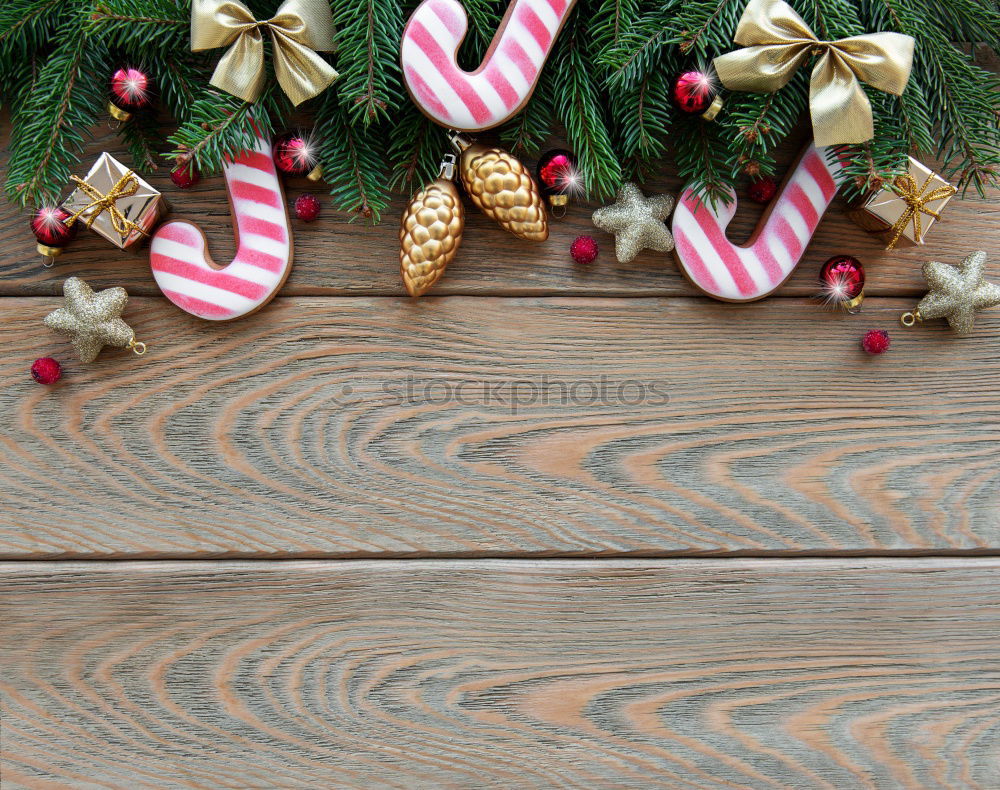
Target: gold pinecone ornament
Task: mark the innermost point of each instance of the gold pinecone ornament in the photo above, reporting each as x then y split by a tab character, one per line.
430	231
503	189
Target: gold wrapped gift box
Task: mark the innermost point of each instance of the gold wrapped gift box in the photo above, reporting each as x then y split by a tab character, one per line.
904	211
116	203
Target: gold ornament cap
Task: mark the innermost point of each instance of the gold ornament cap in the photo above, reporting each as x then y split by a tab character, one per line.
714	108
118	113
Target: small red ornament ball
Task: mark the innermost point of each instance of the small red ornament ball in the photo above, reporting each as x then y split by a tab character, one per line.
584	249
875	341
185	175
843	277
557	170
50	228
762	190
692	92
129	89
46	371
307	207
293	154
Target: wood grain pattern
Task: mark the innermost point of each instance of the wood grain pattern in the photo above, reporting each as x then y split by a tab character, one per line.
338	256
324	427
640	674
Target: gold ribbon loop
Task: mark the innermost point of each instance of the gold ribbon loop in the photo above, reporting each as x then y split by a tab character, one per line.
916	204
298	30
776	42
126	186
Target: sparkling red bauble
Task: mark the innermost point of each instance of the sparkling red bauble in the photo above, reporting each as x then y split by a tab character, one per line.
307	207
875	341
762	189
293	154
843	277
556	171
584	249
130	89
50	228
185	175
692	92
46	371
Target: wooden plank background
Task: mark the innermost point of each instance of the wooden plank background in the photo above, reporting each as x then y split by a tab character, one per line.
403	481
696	674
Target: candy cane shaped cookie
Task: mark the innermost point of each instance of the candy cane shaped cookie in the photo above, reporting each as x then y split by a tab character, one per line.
190	279
745	273
488	96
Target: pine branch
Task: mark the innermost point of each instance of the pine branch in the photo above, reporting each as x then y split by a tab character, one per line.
579	108
525	134
484	20
26	27
140	26
218	126
368	34
49	126
353	161
416	148
141	135
702	160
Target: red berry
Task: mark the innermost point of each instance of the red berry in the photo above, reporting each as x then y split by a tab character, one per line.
875	341
185	175
584	249
50	228
46	371
762	189
307	207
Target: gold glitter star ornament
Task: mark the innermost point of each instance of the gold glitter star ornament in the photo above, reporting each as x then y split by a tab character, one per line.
636	221
956	293
92	320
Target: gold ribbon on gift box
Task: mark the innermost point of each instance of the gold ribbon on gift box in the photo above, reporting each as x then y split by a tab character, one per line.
298	30
126	186
916	200
776	42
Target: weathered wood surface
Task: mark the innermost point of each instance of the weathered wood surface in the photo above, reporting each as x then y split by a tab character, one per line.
681	674
337	256
476	426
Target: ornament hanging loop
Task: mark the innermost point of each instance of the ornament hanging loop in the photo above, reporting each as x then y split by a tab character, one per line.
909	318
447	169
138	348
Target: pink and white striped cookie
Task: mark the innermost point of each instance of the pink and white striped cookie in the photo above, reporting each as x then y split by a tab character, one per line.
189	278
488	96
751	271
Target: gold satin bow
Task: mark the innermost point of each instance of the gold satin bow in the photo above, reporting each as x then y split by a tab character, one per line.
126	186
776	42
297	29
916	204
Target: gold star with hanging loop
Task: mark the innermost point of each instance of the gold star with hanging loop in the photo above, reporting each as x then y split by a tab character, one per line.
956	293
92	320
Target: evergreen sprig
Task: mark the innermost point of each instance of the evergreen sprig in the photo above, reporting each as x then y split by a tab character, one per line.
607	82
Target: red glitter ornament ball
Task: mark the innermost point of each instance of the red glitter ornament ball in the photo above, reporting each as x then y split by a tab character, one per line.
762	190
842	278
693	92
130	89
875	341
307	207
185	174
293	154
46	371
584	249
50	228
